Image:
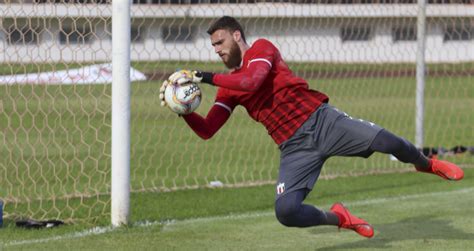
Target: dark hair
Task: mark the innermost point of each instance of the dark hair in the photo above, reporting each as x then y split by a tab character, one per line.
226	23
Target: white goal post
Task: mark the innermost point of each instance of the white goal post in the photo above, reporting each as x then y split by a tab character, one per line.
120	194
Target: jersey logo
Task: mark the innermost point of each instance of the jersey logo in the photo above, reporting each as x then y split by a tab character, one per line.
280	188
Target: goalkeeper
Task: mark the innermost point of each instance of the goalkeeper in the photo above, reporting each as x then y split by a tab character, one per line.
305	127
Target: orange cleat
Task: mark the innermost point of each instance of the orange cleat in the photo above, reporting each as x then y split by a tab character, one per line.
444	169
349	221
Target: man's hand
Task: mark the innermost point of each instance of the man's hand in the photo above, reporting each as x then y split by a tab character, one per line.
162	93
184	76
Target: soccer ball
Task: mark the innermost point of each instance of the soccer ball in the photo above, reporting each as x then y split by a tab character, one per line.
183	99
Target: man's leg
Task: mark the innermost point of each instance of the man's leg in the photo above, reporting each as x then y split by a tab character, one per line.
291	212
403	150
406	152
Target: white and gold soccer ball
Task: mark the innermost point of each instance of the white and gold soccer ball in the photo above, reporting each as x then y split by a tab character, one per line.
184	98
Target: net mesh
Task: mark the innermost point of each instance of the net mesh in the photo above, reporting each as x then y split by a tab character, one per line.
56	127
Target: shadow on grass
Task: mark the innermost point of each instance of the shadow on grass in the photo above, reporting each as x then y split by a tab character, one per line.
423	228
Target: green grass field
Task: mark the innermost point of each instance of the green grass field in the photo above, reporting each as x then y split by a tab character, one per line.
56	164
409	211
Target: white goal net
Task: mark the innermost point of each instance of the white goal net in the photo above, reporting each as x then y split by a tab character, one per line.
55	110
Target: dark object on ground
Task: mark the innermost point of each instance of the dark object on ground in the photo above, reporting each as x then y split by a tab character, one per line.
34	224
458	149
441	151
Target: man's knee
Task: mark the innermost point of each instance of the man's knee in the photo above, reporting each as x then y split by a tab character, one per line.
286	211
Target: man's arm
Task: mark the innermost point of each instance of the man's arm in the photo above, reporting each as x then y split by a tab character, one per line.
207	127
204	127
248	81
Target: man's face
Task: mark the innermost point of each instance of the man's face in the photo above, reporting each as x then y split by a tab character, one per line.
225	45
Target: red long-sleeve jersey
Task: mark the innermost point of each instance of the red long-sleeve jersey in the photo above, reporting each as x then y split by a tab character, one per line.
268	90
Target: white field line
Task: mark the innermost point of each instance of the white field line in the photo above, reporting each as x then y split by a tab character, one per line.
88	232
348	204
168	225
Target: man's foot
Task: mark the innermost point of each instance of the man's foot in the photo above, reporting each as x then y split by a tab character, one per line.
349	221
444	169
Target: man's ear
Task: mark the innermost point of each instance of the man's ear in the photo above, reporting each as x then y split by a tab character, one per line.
237	36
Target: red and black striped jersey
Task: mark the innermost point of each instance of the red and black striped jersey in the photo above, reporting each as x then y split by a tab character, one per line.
269	91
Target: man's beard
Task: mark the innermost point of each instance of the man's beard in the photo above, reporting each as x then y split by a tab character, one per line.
235	57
